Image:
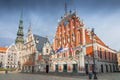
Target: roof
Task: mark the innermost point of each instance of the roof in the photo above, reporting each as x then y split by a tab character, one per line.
100	41
3	49
39	41
97	39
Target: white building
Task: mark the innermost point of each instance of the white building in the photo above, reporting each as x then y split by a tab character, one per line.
11	57
35	52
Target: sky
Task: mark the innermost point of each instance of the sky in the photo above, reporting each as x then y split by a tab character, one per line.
103	15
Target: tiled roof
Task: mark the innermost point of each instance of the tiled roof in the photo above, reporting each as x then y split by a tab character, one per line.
98	40
3	48
39	41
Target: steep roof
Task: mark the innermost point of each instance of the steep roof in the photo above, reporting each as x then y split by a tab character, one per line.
3	49
39	41
96	38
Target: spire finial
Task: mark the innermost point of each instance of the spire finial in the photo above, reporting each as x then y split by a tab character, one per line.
47	38
20	33
65	8
75	11
29	28
21	15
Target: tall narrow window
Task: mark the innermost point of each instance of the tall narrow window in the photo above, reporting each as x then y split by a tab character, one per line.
109	55
46	50
64	54
100	53
57	55
112	56
78	37
105	54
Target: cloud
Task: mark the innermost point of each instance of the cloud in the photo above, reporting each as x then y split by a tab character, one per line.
106	26
6	41
103	15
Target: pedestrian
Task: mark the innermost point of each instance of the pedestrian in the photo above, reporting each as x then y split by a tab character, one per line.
6	71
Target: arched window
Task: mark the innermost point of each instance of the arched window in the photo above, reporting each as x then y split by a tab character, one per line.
78	37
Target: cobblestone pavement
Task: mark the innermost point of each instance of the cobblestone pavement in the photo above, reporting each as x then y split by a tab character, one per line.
45	76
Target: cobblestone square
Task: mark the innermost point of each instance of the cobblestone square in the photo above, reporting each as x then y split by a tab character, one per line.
49	76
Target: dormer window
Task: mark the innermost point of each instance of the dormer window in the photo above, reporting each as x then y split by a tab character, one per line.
37	40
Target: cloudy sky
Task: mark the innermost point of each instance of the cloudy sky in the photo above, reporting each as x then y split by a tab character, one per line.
103	15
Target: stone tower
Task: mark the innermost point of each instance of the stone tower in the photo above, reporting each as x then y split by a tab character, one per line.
19	42
20	35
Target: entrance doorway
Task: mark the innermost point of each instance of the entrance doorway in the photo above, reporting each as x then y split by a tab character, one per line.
32	69
56	67
47	68
86	68
106	68
74	67
65	67
113	68
102	68
110	68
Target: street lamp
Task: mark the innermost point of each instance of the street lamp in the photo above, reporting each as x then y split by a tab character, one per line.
94	66
19	65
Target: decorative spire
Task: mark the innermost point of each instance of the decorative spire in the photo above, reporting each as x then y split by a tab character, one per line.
21	16
20	34
75	11
70	11
47	38
29	29
65	8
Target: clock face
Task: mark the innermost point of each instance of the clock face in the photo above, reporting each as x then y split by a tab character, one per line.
77	52
37	40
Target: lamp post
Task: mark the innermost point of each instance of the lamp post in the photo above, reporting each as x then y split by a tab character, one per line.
94	66
19	65
89	69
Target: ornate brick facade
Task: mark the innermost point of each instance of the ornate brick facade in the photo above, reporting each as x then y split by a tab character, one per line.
75	46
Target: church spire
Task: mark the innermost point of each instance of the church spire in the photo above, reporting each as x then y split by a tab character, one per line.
65	8
29	29
20	34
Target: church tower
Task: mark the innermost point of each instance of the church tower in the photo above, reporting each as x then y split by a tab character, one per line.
20	35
